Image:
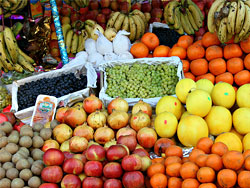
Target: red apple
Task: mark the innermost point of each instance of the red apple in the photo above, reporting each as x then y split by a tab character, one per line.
103	25
68	155
92	182
95	153
71	181
209	3
91	15
161	145
74	17
136	6
116	152
81	157
131	162
129	141
75	116
124	7
145	163
53	157
146	7
204	15
114	5
96	12
113	183
164	3
201	5
112	170
157	13
73	166
84	11
52	174
154	20
49	185
141	152
93	168
101	19
156	4
133	179
65	11
78	144
105	3
94	5
82	18
200	32
106	11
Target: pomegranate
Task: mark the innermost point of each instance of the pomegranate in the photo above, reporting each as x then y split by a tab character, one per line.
161	145
118	119
129	141
125	131
62	133
116	152
132	162
103	135
143	107
113	183
92	182
96	119
75	116
93	168
92	103
60	114
105	112
112	170
139	120
133	179
50	144
147	137
145	163
110	143
95	153
141	152
118	104
84	131
78	144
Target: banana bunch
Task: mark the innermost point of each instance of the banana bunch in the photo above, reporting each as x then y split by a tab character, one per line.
74	41
230	18
91	28
12	57
184	16
12	6
76	4
135	23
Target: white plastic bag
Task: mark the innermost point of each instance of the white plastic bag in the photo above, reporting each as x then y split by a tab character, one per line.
110	56
90	46
121	43
84	55
125	55
103	45
95	58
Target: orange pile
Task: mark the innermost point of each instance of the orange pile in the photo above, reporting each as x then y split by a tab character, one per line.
209	165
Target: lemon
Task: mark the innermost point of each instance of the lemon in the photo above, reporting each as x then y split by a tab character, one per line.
231	140
219	120
243	95
205	84
185	114
169	104
183	87
241	120
223	94
198	103
246	142
190	129
166	124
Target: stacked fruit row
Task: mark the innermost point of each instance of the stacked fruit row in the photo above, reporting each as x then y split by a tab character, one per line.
12	6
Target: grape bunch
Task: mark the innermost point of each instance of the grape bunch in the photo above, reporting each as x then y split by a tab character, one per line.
141	80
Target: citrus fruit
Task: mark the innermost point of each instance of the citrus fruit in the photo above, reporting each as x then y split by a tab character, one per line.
241	120
230	140
246	142
205	84
183	88
185	114
237	134
242	96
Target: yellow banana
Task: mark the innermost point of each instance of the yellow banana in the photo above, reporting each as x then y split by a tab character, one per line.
26	57
246	25
177	18
192	20
2	67
222	32
171	11
186	24
65	29
196	15
143	27
231	18
75	43
89	30
190	2
180	30
112	19
240	16
138	27
4	54
119	21
25	64
91	23
143	17
132	28
125	24
68	40
18	68
83	36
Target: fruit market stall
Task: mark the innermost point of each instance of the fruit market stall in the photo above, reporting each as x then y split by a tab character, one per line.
133	94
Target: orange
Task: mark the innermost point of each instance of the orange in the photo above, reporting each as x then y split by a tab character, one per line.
246	153
185	65
188	183
219	148
213	52
235	65
194	154
242	77
201	160
159	180
189	75
173	169
205	144
199	67
161	51
247	61
206	175
155	168
225	77
245	45
139	50
217	66
150	55
185	159
233	160
150	40
207	185
158	160
198	42
214	161
247	163
185	41
174	150
232	50
244	179
195	52
208	76
174	182
227	178
172	159
188	170
178	51
210	39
